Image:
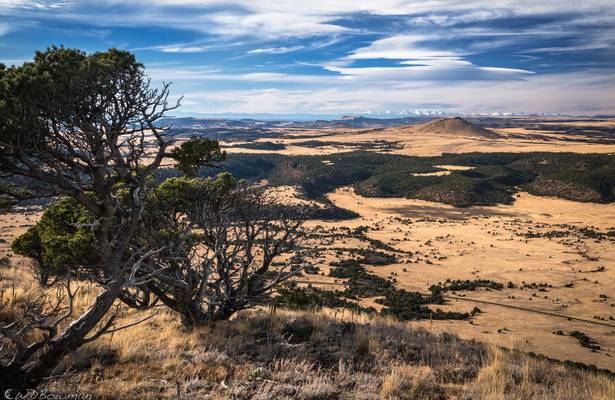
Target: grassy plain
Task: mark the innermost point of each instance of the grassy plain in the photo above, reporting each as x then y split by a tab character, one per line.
555	258
418	142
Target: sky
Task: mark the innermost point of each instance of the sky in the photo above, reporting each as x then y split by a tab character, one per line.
341	57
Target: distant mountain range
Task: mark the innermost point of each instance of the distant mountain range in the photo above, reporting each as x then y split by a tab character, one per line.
367	119
388	114
439	113
343	122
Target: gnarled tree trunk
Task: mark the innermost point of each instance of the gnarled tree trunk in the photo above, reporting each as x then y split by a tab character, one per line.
30	372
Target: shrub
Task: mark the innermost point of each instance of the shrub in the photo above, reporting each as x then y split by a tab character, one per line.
585	340
298	330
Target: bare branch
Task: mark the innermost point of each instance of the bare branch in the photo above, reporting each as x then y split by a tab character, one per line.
221	259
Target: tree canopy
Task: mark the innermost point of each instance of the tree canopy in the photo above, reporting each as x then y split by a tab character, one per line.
84	127
196	153
61	241
218	238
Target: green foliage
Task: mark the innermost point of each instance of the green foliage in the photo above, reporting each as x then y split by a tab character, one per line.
56	85
405	305
10	195
161	222
60	240
583	177
251	166
6	203
375	257
292	296
471	285
582	232
360	282
179	193
182	194
197	152
585	340
77	125
399	303
63	238
29	244
332	212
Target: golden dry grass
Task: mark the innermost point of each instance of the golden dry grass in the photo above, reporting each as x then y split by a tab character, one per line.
425	142
258	355
491	243
280	354
412	383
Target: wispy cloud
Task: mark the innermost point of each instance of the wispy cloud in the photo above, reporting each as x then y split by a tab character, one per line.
402	47
33	4
417	62
340	55
4	29
574	93
182	49
193	47
272	24
433	71
275	50
300	18
207	74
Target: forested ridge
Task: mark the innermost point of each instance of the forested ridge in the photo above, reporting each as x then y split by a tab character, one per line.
493	177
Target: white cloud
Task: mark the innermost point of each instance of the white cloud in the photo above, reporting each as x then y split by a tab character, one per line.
194	47
395	7
603	40
401	47
177	74
272	24
426	70
33	4
300	18
575	93
420	63
275	50
431	70
463	17
182	49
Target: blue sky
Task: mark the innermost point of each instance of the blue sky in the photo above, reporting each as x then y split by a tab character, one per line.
344	57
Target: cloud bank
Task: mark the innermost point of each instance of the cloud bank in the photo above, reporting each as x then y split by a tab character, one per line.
337	56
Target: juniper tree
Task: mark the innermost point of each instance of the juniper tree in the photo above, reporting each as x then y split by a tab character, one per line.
196	153
82	126
221	238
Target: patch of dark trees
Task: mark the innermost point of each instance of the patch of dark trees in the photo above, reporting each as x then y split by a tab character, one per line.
360	283
493	179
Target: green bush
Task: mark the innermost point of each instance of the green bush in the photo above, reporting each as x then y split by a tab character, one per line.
61	240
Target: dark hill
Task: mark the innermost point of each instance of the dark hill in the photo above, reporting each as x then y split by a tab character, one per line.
453	127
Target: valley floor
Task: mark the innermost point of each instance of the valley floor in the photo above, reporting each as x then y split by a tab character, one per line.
555	259
514	135
547	248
